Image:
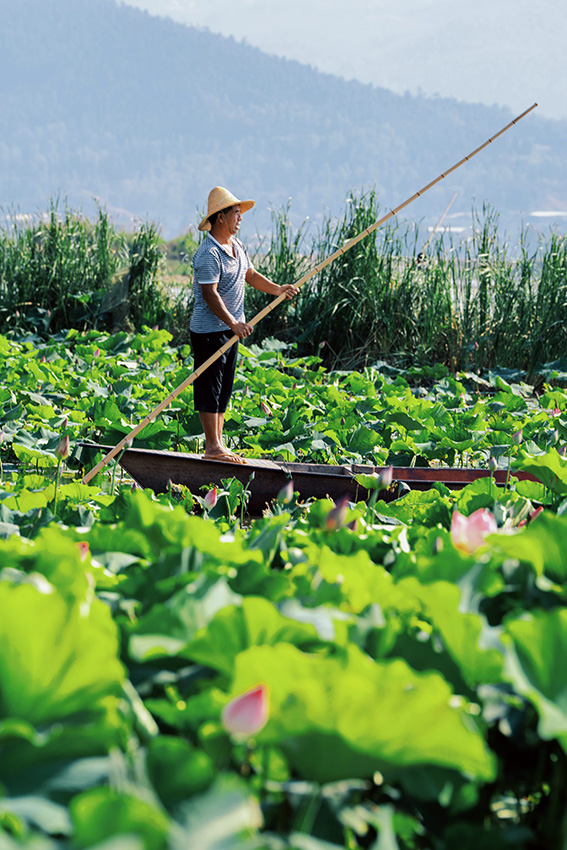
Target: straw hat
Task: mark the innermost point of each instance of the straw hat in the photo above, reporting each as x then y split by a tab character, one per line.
220	199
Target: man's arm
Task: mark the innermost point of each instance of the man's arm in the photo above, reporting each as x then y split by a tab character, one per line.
258	281
216	305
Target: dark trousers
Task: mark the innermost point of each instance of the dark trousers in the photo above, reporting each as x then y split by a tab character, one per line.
212	389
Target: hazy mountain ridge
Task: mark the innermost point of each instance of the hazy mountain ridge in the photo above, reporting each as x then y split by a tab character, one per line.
148	114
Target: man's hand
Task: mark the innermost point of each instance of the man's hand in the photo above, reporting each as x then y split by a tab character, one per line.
241	329
288	290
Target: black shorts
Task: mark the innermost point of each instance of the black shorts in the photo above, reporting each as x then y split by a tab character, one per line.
212	389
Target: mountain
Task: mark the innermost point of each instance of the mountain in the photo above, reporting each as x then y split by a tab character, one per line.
103	100
509	52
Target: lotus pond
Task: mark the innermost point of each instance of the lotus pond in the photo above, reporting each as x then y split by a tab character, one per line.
176	675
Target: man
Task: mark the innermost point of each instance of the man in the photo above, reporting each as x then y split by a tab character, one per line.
221	267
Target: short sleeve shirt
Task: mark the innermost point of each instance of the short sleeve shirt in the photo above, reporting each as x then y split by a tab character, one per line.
215	263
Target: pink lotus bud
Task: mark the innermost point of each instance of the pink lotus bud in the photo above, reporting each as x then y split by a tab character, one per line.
286	494
210	499
556	411
517	437
245	715
42	359
266	410
83	548
468	533
554	436
96	352
64	423
62	450
476	346
336	516
536	513
562	451
385	478
128	444
492	463
17	314
353	526
48	313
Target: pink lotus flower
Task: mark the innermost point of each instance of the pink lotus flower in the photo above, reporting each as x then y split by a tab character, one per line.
517	437
210	499
245	715
286	494
336	516
83	548
468	533
62	450
266	410
385	478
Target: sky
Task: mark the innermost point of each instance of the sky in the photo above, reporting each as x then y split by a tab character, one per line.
506	52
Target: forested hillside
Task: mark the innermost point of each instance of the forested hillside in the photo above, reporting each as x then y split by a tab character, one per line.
100	99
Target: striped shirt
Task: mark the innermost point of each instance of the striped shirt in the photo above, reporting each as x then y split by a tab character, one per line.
215	263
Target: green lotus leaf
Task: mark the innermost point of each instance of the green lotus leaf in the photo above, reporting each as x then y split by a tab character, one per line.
57	657
348	716
535	655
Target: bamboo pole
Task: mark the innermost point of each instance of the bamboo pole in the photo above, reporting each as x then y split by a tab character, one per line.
269	307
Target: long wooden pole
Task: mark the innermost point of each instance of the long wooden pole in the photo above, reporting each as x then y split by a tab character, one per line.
268	309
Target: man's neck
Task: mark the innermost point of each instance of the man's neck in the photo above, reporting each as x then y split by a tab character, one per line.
221	233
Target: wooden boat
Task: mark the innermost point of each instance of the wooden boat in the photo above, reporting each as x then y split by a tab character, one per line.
265	478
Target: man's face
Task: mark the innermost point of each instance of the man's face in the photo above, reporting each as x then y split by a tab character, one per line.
233	217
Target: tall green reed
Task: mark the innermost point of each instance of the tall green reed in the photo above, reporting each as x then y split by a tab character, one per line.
476	303
64	271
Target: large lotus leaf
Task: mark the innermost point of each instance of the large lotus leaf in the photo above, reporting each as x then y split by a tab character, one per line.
57	556
472	644
35	457
57	657
482	493
352	582
543	544
227	817
363	440
102	814
348	716
535	665
167	628
178	770
234	629
35	811
165	527
550	469
428	507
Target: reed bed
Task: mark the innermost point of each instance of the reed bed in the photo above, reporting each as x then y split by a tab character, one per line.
476	303
472	304
64	271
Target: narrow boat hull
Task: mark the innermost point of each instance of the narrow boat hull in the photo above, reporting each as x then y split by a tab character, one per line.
157	470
